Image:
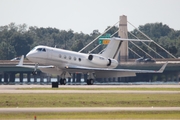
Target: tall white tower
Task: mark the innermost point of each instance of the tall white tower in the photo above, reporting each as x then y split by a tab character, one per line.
123	34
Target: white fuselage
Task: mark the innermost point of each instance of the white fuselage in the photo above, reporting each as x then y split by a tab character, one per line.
62	58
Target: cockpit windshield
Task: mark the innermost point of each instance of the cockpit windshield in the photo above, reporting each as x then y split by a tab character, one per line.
41	49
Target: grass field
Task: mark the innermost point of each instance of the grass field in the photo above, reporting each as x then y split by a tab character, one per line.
89	100
92	100
95	115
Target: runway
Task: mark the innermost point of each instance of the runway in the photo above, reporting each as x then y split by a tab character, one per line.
5	87
17	89
87	109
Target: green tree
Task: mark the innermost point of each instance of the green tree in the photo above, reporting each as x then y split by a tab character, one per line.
21	43
6	51
78	45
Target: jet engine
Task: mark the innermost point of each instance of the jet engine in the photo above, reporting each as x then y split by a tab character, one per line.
102	61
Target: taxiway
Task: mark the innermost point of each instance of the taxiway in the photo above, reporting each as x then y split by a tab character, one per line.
18	89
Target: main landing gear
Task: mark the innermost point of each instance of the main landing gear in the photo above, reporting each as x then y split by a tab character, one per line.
90	79
62	81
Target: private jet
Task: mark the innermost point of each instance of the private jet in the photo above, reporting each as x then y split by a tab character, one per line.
64	62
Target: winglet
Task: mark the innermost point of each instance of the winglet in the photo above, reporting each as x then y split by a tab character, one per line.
162	68
21	61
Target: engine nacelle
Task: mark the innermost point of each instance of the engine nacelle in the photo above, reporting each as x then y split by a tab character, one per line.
102	61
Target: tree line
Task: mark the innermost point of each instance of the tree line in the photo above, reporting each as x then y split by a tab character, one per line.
17	40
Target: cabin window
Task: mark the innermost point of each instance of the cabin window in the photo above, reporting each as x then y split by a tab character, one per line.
69	57
74	58
64	56
79	59
60	56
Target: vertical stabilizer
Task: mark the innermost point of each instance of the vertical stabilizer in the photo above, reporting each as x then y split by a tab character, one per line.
112	50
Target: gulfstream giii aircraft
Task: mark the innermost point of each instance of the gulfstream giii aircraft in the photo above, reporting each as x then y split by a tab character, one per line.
64	62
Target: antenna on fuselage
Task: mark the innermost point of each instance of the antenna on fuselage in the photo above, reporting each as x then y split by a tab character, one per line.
55	46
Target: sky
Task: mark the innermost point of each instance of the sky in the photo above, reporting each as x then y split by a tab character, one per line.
88	15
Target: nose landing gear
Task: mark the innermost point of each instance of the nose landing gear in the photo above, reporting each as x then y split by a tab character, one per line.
35	69
34	73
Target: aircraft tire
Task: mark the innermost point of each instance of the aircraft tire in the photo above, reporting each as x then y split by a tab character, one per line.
90	81
62	81
87	81
34	73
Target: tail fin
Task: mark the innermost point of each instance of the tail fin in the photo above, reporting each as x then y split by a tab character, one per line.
113	48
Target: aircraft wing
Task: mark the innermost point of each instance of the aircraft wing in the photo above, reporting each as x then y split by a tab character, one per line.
116	70
106	72
31	66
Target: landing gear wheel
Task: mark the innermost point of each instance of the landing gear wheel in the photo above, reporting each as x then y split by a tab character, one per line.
34	73
90	81
62	81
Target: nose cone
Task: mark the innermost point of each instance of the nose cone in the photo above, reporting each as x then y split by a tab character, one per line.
30	55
